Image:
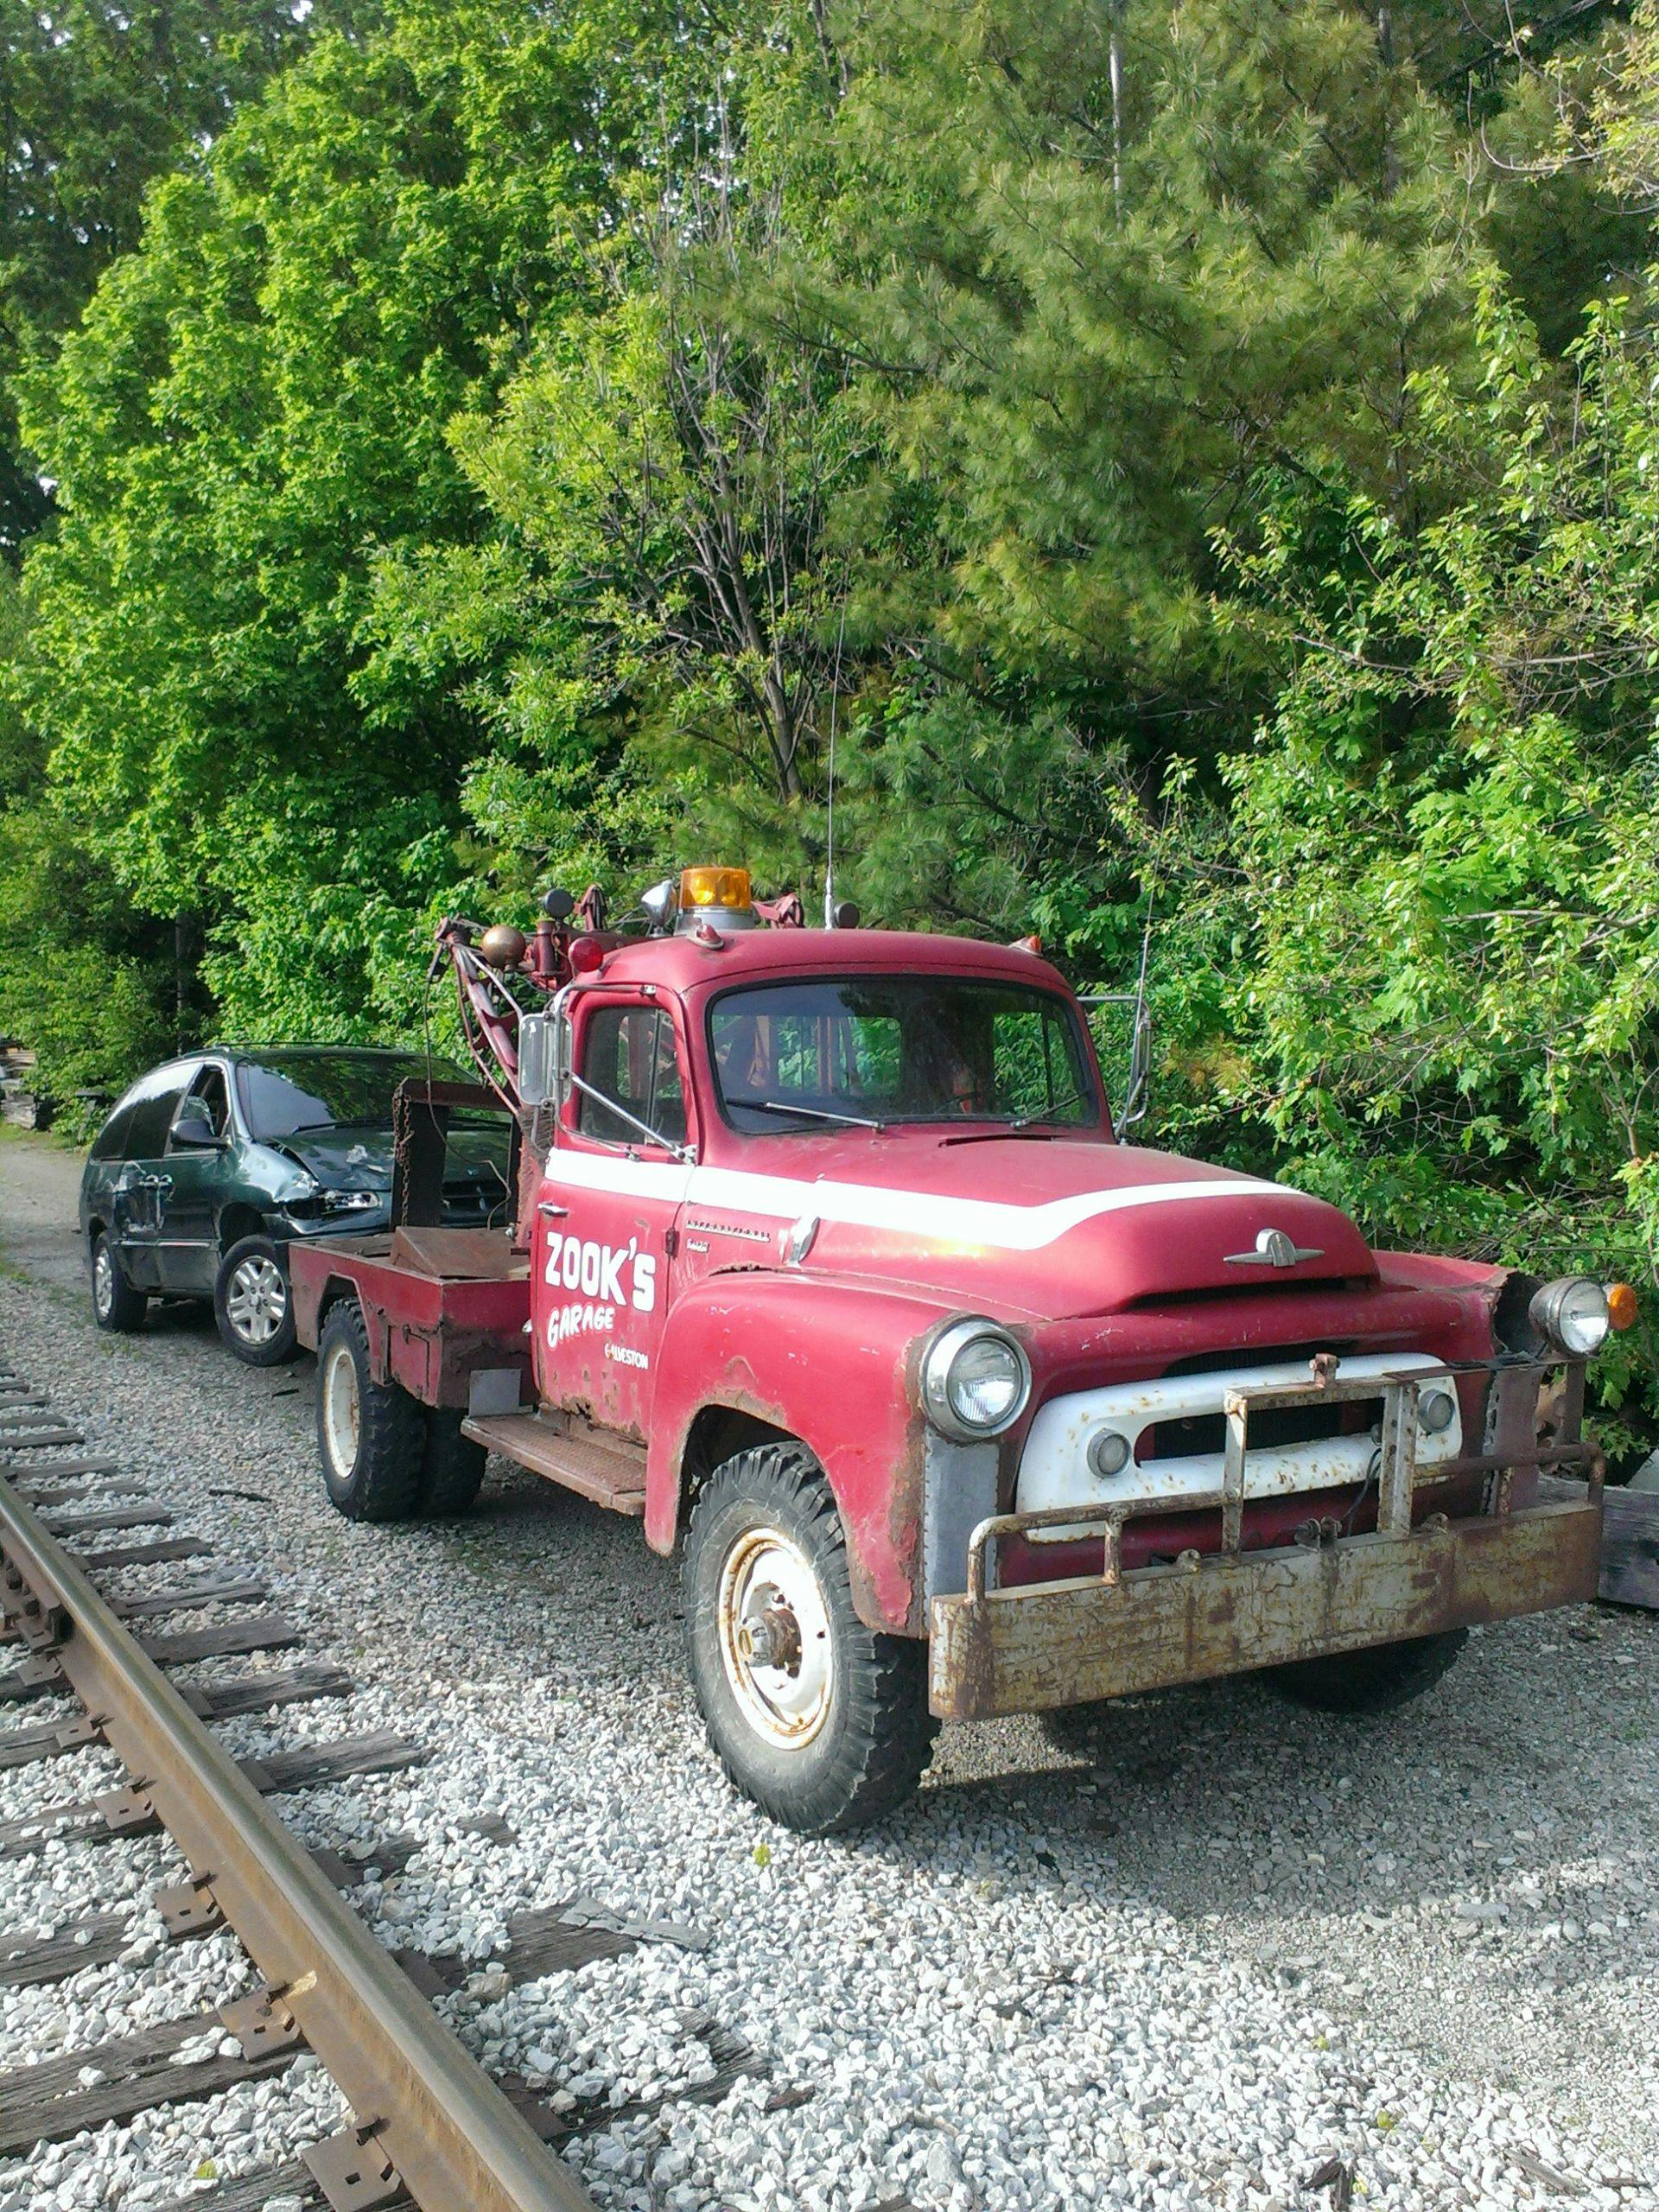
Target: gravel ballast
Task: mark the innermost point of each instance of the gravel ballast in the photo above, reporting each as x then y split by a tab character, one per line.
1245	1956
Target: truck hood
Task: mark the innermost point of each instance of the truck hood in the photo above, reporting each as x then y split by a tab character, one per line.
1048	1228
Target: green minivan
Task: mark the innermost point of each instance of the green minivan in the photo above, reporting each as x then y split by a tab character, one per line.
211	1165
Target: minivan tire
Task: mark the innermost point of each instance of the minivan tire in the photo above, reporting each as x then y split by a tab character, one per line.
117	1306
371	1436
253	1304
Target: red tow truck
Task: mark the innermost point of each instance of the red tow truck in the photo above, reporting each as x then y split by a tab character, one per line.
830	1268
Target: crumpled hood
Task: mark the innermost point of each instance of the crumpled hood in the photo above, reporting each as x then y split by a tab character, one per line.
1049	1227
345	1158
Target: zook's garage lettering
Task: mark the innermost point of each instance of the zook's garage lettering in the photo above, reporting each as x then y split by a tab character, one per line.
597	1270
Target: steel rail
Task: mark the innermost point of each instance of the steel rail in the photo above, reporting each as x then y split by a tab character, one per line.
425	2107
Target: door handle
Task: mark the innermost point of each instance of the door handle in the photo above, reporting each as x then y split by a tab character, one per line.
549	1211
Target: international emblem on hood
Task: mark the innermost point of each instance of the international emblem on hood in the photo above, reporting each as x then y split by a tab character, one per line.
1275	1250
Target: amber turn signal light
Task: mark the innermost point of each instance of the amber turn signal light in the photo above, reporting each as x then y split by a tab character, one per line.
715	887
1621	1306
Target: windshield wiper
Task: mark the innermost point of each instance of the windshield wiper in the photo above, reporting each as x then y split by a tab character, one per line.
1007	1129
807	1113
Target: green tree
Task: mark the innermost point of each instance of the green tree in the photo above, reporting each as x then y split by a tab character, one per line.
1444	921
249	426
97	100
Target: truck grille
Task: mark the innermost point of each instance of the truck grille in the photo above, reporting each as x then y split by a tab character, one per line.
1177	1429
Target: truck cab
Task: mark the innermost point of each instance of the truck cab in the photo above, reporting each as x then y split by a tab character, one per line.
830	1268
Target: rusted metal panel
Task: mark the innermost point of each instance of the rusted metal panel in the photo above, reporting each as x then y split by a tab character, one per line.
1026	1649
459	1255
428	1331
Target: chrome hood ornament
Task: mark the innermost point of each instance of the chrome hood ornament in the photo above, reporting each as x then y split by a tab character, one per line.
1273	1249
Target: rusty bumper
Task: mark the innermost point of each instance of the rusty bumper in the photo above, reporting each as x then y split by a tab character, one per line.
1027	1649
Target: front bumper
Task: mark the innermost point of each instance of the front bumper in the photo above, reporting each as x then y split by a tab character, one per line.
1037	1646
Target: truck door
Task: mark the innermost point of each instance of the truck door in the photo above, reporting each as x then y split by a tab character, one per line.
614	1181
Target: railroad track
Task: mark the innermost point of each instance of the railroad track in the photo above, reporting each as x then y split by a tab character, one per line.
429	2126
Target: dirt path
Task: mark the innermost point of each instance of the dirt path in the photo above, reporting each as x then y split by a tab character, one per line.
39	1181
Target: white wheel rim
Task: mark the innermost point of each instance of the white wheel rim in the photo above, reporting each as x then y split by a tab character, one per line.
256	1301
102	1279
774	1638
340	1409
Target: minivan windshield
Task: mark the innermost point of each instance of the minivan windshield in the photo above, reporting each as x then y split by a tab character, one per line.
863	1051
283	1093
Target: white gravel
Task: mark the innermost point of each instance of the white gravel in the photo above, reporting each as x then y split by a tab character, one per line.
1247	1942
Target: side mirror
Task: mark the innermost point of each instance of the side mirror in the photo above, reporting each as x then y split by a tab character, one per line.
193	1132
1137	1096
543	1058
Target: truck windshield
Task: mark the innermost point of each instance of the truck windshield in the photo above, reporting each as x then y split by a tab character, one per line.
867	1051
286	1092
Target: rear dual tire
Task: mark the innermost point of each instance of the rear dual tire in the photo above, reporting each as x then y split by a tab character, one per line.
384	1455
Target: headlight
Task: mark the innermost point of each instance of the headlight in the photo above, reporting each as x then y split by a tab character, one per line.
1571	1315
975	1379
350	1201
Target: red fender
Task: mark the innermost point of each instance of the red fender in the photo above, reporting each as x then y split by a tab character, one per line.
829	1360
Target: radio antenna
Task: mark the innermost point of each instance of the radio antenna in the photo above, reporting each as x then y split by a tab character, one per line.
830	824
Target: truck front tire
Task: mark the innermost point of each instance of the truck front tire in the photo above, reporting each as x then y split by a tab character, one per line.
371	1436
1378	1679
818	1719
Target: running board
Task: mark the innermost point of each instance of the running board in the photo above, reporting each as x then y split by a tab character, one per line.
611	1474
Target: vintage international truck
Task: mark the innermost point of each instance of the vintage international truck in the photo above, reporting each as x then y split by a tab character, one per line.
830	1266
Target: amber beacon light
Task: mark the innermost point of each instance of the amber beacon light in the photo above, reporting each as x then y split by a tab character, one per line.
714	886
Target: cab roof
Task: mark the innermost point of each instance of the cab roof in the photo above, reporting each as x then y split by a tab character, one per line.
752	956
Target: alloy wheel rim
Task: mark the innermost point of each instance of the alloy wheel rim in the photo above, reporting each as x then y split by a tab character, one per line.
256	1301
341	1410
774	1638
102	1279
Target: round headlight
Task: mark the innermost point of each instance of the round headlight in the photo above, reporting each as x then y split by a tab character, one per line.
1571	1315
1108	1453
975	1379
1435	1411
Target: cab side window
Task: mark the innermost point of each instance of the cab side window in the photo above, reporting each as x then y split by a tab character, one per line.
627	1053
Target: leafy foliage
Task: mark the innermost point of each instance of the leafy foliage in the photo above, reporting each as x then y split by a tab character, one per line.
1191	458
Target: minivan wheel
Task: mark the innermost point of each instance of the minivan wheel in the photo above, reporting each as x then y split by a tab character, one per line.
818	1718
371	1436
252	1306
116	1305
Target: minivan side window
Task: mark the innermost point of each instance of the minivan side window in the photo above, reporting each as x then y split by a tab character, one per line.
154	1101
111	1143
209	1090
